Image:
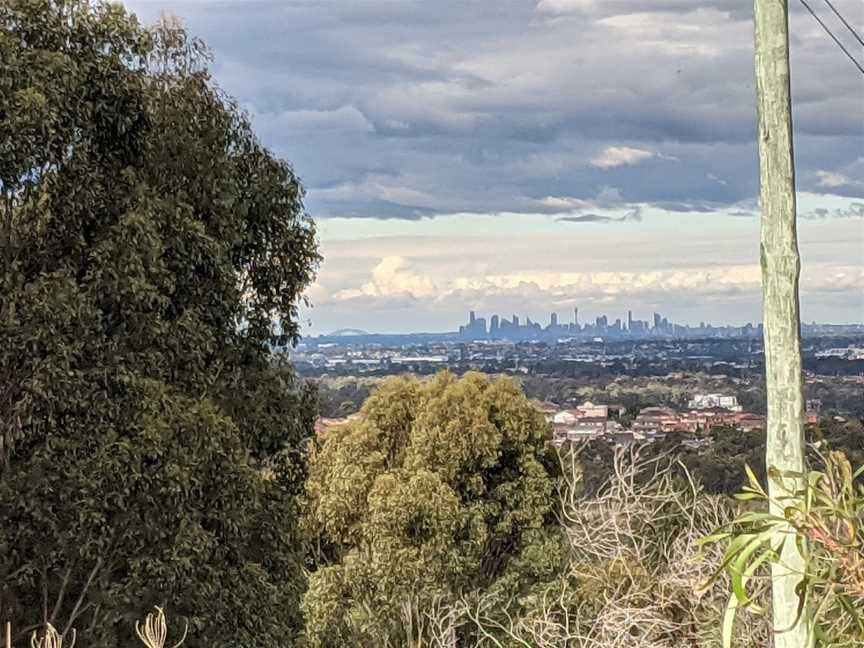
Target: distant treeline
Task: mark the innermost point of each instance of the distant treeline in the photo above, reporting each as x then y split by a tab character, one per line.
718	465
343	395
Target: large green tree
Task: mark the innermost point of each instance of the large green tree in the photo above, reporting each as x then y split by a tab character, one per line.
152	253
440	490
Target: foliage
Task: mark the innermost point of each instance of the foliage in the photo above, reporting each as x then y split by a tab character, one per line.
151	253
826	515
342	396
671	385
632	575
717	459
846	436
438	489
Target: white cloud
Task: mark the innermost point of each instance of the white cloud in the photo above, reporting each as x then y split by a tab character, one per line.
616	156
392	278
599	284
565	202
832	180
344	118
563	6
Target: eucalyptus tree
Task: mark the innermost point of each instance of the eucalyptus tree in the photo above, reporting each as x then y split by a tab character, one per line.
438	490
153	252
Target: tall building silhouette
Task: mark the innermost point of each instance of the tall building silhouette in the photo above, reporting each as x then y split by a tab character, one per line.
502	329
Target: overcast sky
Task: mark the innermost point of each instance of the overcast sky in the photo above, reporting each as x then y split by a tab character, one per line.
525	156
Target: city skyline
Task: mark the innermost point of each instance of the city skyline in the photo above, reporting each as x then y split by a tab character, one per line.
523	327
501	327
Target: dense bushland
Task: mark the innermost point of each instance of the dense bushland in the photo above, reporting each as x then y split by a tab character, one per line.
440	519
404	501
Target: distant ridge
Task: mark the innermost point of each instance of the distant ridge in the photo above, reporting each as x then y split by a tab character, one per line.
346	332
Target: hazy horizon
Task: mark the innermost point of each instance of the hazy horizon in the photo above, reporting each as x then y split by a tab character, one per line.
543	320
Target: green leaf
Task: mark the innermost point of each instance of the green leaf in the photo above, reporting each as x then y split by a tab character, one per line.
753	481
729	621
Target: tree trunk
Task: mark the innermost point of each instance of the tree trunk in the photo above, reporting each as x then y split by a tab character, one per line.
781	321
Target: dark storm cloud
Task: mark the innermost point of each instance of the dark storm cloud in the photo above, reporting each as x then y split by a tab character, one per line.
587	218
414	108
633	216
687	207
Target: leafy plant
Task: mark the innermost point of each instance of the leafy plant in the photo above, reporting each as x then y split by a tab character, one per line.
825	511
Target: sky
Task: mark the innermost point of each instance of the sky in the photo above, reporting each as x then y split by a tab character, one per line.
530	156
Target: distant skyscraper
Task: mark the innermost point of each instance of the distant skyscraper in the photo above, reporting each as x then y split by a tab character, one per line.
629	320
476	327
656	320
576	317
480	327
494	325
515	320
553	321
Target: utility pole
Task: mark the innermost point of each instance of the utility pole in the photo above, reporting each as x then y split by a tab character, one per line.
781	265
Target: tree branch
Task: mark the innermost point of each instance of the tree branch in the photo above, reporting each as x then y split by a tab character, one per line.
77	609
61	595
44	595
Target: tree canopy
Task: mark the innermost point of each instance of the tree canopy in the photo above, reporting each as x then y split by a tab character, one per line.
438	489
152	252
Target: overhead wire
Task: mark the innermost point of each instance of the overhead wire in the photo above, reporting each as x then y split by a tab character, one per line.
845	22
833	37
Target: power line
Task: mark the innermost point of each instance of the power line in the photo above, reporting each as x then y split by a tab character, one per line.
833	37
843	20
